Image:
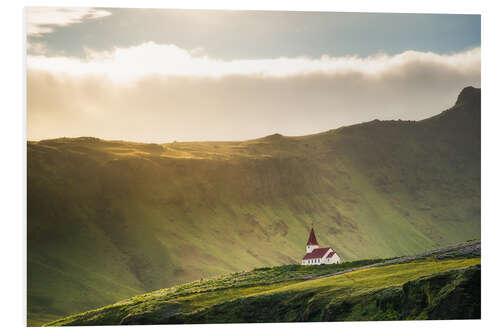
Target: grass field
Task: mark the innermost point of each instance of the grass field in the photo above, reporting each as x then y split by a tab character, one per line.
111	219
259	292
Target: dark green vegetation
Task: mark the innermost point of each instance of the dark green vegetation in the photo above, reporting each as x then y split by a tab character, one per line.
112	219
445	284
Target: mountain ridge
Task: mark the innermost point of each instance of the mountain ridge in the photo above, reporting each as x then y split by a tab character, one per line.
468	95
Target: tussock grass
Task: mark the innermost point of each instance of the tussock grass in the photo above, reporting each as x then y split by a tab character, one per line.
158	307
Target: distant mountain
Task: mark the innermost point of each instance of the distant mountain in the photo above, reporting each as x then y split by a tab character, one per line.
112	219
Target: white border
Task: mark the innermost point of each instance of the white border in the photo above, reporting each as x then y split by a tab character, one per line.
13	165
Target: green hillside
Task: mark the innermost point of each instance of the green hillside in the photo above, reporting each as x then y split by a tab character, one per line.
444	284
111	219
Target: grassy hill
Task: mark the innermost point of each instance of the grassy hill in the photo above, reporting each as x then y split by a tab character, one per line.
111	219
444	284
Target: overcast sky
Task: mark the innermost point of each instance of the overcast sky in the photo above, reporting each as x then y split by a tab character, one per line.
158	75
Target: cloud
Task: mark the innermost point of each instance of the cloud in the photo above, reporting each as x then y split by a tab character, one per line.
42	20
154	59
158	93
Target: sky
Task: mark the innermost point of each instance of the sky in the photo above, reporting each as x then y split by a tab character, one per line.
161	75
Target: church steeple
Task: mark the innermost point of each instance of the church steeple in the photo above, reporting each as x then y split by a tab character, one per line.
312	243
312	238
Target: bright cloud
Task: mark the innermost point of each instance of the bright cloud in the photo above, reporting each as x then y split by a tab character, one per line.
41	20
151	59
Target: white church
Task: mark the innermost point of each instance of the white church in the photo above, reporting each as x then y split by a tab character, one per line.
316	255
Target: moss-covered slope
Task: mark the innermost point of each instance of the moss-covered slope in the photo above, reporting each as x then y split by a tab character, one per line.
111	219
443	284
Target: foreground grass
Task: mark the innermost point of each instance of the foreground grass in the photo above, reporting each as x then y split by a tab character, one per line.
197	302
256	279
369	279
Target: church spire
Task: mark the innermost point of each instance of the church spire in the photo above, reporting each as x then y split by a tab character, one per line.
312	238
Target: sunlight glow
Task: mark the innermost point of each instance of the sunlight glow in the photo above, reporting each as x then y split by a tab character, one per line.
150	59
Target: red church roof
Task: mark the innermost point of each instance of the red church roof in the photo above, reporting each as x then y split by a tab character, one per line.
330	254
312	238
317	253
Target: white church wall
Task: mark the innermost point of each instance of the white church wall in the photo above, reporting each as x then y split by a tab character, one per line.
335	259
310	248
